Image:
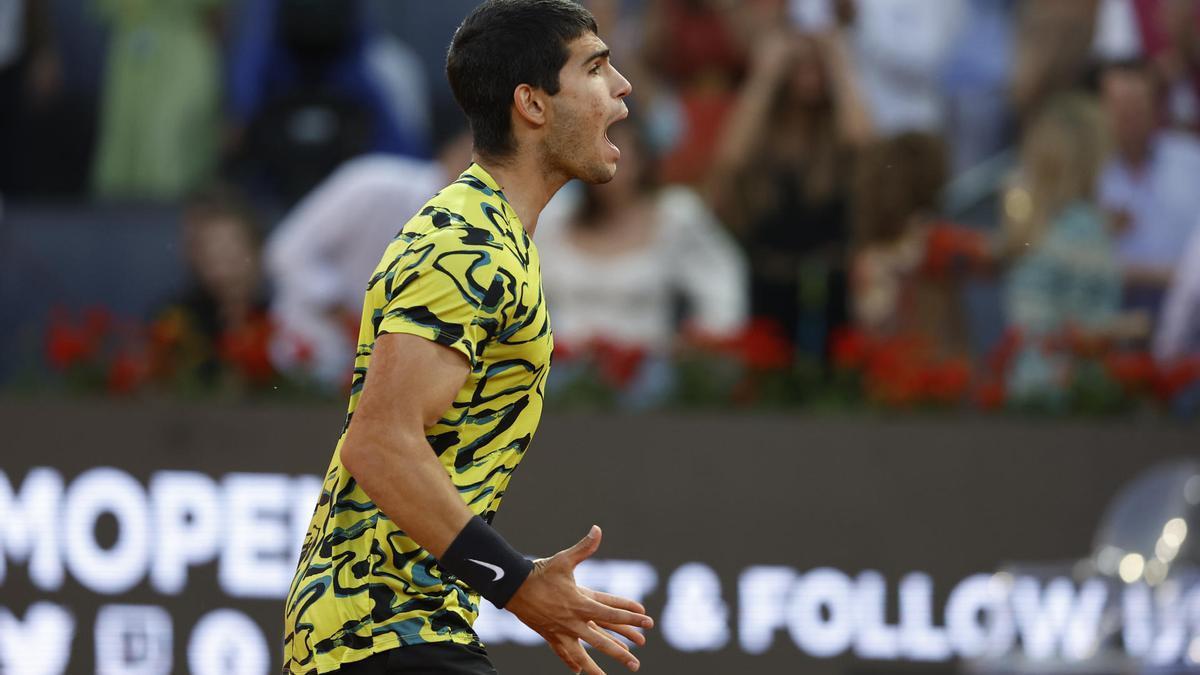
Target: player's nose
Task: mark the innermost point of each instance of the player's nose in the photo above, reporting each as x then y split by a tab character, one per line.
624	88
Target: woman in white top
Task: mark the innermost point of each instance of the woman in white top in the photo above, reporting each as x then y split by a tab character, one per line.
616	266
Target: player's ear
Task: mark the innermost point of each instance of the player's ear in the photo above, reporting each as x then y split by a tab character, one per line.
530	104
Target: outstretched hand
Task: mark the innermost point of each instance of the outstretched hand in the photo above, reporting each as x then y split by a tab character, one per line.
563	613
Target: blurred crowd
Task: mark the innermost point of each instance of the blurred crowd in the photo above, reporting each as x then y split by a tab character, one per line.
821	185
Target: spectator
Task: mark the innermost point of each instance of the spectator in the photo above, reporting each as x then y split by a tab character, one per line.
905	272
782	175
223	312
313	83
160	117
901	48
30	73
975	81
615	267
1178	333
1065	273
1116	33
694	47
1171	40
1053	51
322	254
1150	184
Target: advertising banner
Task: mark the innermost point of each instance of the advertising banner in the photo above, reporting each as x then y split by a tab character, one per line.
161	538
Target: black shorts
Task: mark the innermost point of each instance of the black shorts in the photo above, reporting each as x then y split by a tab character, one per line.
439	658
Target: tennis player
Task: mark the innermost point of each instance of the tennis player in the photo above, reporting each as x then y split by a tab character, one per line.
454	348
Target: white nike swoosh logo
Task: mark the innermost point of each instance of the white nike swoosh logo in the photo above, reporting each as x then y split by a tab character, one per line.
495	568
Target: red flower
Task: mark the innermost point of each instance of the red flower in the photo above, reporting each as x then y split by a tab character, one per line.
760	345
168	331
892	375
1135	371
990	395
950	246
618	364
167	336
1176	377
247	350
125	374
899	389
902	370
66	344
947	382
97	321
850	348
763	346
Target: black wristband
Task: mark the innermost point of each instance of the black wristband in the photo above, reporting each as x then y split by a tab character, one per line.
481	557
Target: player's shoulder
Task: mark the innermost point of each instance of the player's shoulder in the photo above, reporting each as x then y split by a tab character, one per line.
475	199
470	212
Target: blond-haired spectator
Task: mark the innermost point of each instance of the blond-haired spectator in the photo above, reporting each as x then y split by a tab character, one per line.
1064	273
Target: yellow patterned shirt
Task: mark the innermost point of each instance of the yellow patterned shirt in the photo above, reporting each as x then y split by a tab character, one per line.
464	274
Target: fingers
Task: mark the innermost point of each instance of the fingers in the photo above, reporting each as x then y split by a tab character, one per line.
565	657
628	632
617	601
578	655
601	612
585	548
608	645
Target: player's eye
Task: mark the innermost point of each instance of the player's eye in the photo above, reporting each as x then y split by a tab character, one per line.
595	69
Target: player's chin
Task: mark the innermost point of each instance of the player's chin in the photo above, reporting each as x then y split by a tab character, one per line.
603	173
599	171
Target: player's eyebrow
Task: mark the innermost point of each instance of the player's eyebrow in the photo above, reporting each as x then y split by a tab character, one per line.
602	54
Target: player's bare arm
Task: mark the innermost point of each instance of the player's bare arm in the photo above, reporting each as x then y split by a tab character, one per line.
412	382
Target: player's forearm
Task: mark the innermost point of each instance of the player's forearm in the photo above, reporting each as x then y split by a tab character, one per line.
403	477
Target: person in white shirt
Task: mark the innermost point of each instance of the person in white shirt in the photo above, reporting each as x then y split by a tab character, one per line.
901	48
321	255
1150	184
615	264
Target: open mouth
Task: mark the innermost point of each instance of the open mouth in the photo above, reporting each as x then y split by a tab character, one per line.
618	118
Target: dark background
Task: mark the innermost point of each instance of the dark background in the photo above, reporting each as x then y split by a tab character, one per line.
965	496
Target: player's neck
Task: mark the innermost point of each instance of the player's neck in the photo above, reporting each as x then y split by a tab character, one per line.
526	184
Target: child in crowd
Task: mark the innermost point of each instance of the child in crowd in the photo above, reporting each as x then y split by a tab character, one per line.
218	326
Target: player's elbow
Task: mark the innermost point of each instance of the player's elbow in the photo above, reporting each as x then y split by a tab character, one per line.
355	459
359	453
366	454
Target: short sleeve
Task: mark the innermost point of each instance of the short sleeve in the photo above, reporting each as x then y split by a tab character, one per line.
447	289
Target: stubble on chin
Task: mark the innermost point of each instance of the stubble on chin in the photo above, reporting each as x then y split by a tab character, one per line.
570	149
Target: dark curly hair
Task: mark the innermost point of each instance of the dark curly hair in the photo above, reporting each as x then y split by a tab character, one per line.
500	45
